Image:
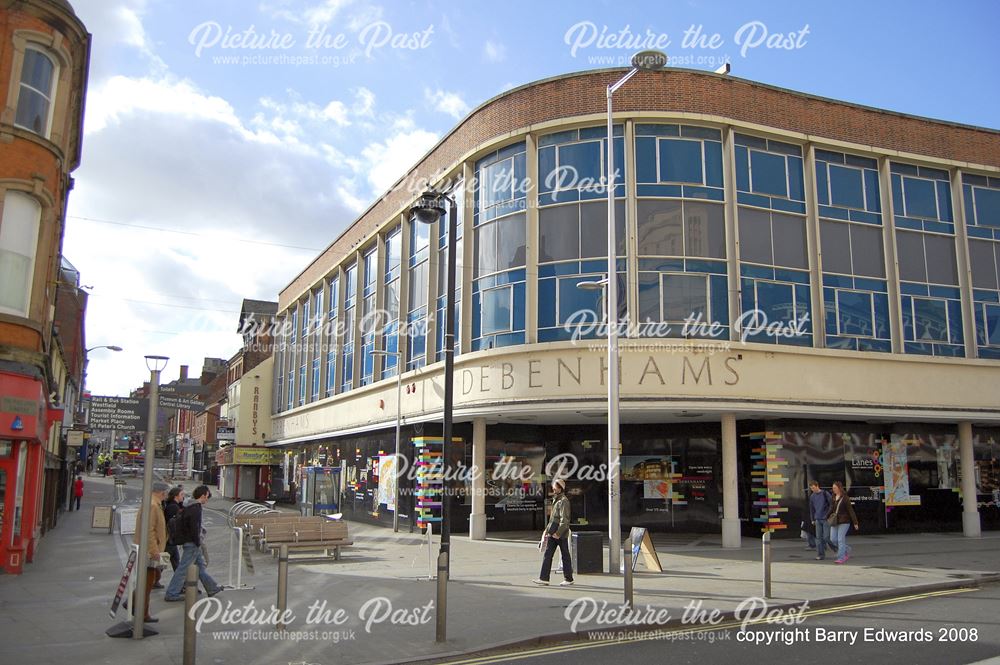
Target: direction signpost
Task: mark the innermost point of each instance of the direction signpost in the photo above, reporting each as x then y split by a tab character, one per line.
124	413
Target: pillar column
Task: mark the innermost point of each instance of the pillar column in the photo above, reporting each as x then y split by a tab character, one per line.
730	495
970	511
477	520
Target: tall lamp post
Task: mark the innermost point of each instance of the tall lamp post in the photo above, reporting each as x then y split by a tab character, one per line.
428	210
649	61
156	364
399	403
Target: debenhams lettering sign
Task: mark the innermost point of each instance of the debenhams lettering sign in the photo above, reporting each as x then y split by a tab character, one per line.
548	374
567	373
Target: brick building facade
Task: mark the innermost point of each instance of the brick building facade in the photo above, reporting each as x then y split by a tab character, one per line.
44	61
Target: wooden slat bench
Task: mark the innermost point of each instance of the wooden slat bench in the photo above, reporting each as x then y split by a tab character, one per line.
325	536
254	526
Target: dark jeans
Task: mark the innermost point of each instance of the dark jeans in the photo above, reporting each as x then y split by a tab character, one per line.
78	499
550	549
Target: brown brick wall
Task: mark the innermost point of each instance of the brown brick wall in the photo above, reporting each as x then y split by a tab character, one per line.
24	159
670	91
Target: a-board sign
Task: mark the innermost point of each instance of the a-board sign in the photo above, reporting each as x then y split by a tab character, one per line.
120	592
642	543
128	518
101	517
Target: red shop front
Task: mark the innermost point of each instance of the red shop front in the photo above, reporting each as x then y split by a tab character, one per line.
24	423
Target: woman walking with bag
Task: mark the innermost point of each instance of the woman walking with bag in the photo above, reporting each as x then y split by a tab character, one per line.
841	518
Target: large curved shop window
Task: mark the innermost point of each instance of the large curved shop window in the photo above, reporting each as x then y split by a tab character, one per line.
982	220
681	232
573	229
498	287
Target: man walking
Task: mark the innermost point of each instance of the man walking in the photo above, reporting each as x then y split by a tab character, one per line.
188	536
819	507
557	531
157	541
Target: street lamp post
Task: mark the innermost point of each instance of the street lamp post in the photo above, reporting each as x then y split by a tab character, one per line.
429	210
83	389
155	365
399	403
645	60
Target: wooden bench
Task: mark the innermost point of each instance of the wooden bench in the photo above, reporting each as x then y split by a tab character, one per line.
325	536
254	526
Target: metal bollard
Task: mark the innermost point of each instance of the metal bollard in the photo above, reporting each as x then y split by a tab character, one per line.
766	540
282	583
442	598
627	560
190	596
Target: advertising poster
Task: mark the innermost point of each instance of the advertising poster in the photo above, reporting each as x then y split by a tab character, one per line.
387	481
897	474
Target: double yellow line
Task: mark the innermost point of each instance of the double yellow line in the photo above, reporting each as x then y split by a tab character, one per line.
566	648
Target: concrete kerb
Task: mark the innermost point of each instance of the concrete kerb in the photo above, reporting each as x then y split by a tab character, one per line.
552	639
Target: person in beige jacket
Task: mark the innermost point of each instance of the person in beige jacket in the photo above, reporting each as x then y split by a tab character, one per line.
157	540
556	535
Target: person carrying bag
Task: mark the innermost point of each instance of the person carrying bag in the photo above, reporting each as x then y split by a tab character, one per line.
556	534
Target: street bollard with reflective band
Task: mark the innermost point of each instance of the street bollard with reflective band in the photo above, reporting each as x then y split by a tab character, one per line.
282	583
627	560
766	557
442	598
190	596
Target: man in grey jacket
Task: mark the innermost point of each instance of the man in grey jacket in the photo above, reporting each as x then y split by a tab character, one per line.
556	535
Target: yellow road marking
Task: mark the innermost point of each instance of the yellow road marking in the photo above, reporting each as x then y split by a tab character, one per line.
593	644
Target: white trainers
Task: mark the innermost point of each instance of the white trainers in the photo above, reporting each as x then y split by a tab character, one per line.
541	582
566	583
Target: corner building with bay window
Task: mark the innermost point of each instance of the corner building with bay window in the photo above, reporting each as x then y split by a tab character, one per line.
869	239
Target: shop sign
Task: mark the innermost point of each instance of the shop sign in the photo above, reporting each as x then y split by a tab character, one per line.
255	456
224	433
224	456
25	407
74	438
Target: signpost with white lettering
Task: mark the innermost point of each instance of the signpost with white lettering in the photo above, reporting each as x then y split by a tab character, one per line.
124	413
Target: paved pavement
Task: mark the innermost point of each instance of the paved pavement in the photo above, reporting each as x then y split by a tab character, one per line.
57	611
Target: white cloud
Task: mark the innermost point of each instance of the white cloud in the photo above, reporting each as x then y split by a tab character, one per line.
364	102
386	161
324	12
446	102
120	95
494	51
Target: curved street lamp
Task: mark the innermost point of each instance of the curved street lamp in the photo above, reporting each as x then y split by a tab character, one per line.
646	61
428	209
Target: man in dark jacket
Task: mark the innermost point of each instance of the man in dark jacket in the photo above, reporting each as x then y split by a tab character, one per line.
188	536
819	506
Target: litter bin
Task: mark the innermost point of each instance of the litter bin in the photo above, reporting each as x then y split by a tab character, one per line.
588	552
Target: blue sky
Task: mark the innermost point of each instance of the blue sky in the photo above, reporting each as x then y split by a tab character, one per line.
219	181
